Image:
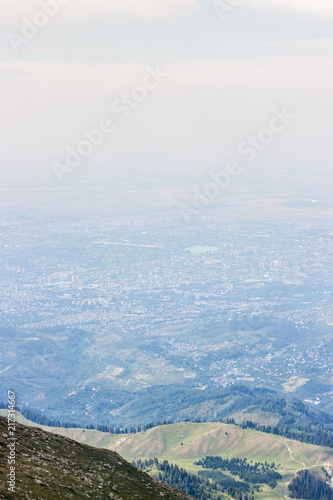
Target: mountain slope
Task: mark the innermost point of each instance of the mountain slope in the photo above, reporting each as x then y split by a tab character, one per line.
188	441
50	467
185	443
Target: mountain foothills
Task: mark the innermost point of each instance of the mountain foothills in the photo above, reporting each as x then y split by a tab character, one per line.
52	467
129	323
200	351
165	373
258	409
215	460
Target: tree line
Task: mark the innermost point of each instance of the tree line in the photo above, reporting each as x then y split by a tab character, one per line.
304	434
254	473
309	487
40	419
227	482
199	487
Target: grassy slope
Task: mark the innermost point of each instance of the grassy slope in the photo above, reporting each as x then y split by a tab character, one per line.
51	467
204	439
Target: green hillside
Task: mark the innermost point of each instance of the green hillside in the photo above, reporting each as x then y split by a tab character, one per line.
186	443
51	467
191	441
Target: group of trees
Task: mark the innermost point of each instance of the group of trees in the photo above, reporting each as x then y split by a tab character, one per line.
199	487
304	434
307	486
40	419
316	428
227	482
256	473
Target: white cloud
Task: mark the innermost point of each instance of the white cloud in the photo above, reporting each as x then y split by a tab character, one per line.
309	6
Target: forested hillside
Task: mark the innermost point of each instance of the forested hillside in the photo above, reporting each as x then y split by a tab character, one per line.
310	487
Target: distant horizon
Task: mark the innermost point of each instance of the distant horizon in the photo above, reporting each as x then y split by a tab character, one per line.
224	72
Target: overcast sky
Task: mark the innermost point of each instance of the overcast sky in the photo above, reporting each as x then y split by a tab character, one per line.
227	71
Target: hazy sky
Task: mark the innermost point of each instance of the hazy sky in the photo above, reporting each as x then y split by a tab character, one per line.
227	71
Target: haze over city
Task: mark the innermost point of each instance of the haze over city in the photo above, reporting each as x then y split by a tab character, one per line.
166	320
